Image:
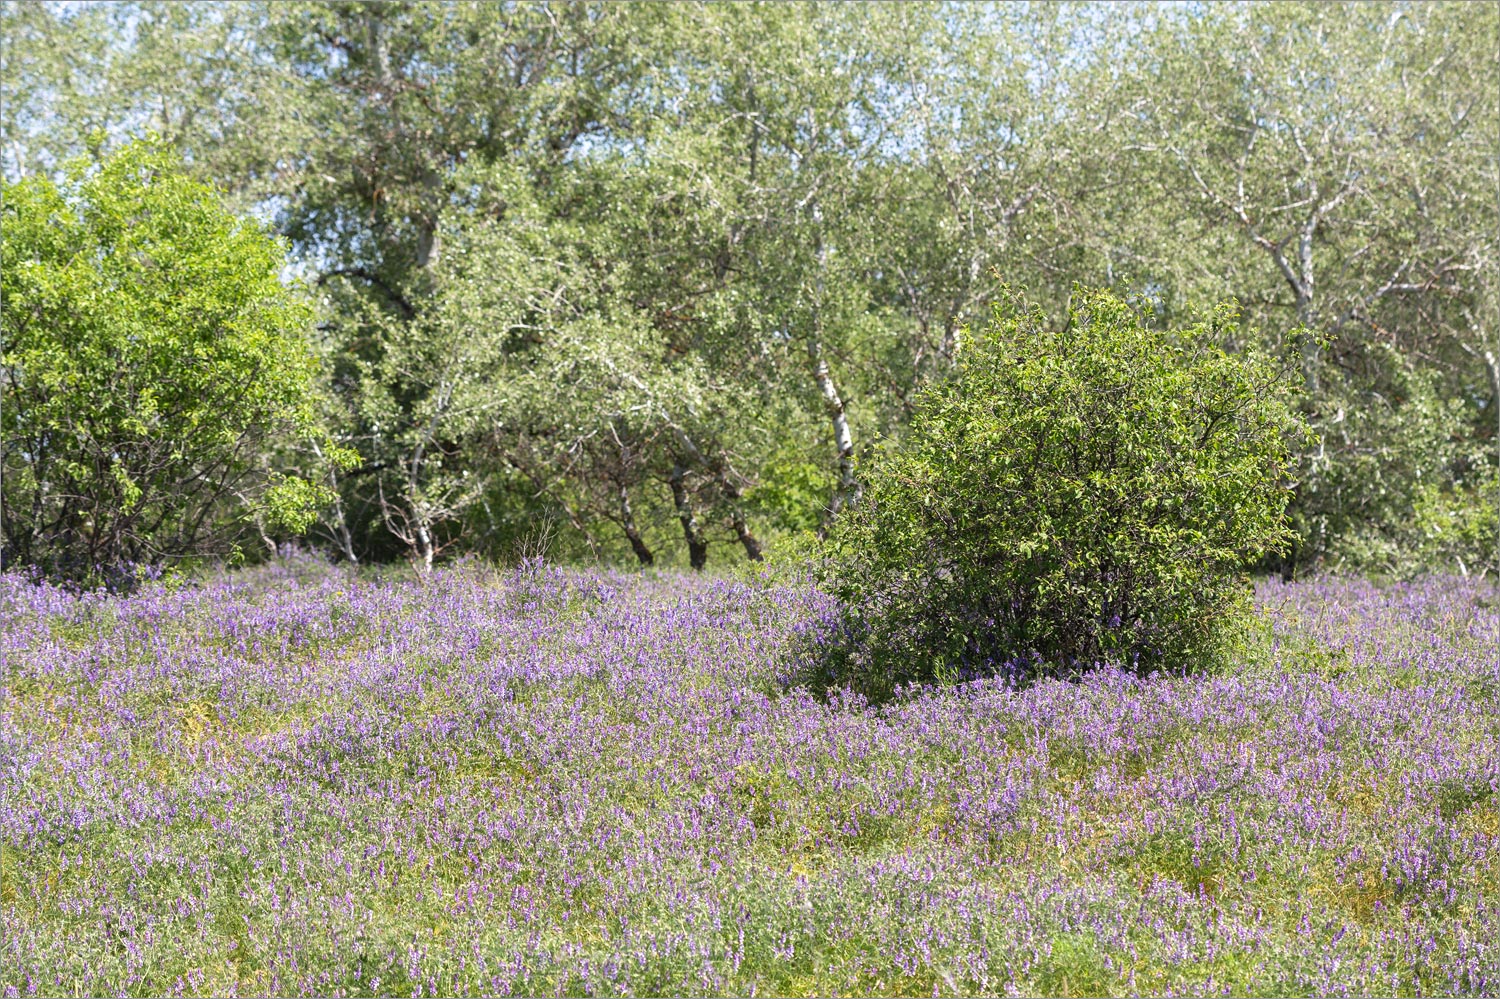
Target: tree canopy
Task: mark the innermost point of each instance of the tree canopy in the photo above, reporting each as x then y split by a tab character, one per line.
664	274
154	366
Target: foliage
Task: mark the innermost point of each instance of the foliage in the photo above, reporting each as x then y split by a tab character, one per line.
154	363
789	212
1069	496
1332	165
1395	484
1456	526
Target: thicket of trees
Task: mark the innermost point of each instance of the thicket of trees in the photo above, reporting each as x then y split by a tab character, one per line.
664	273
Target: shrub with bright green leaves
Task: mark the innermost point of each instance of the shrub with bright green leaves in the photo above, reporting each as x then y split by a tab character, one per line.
155	365
1067	497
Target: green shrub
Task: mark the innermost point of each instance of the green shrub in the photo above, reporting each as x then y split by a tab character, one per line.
1067	497
156	371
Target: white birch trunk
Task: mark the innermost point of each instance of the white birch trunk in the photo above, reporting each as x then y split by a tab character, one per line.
846	491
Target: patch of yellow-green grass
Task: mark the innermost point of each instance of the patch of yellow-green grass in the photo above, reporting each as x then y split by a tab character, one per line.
481	763
201	733
1235	972
1482	817
1358	791
1361	891
1200	869
34	882
805	829
75	635
841	967
1074	966
10	877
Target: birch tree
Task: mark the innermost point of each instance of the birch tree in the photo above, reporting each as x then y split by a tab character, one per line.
1326	165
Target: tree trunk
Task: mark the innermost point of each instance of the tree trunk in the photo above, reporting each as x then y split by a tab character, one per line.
953	324
627	521
429	238
847	491
342	536
340	525
742	529
697	545
429	243
1492	362
1306	317
737	513
425	550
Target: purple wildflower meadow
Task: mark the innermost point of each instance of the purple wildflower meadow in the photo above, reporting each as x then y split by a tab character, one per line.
300	781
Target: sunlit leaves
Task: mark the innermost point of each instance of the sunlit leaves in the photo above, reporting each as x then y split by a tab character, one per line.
154	361
1069	496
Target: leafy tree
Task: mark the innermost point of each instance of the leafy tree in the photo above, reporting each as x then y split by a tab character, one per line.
779	218
84	79
1068	496
1330	166
602	398
156	372
439	127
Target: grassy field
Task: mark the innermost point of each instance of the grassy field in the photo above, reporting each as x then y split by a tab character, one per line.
298	781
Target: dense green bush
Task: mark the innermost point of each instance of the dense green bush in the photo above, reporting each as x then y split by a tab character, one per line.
156	372
1067	497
